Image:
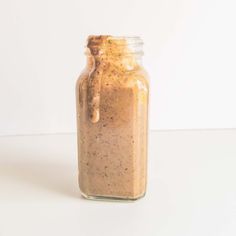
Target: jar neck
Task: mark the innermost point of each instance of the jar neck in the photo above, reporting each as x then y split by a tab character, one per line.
125	52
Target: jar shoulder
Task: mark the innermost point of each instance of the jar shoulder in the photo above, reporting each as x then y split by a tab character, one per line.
137	79
133	79
142	79
83	77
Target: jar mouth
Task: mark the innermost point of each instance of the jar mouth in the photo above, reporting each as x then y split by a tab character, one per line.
133	44
95	39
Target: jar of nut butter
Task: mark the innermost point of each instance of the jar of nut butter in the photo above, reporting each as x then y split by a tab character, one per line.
112	119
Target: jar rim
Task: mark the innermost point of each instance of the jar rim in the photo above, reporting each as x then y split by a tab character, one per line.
123	45
129	39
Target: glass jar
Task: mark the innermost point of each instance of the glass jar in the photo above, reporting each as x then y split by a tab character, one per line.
112	119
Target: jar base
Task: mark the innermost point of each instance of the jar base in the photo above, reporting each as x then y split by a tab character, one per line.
111	199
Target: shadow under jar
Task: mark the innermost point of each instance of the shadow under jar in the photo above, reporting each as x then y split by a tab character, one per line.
112	118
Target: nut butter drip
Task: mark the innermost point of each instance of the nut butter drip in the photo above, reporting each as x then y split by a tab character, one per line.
109	54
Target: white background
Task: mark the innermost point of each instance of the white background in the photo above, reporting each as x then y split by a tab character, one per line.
190	53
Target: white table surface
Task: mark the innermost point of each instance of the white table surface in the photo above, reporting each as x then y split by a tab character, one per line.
191	188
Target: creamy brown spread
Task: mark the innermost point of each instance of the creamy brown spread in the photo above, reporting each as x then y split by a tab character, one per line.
112	104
